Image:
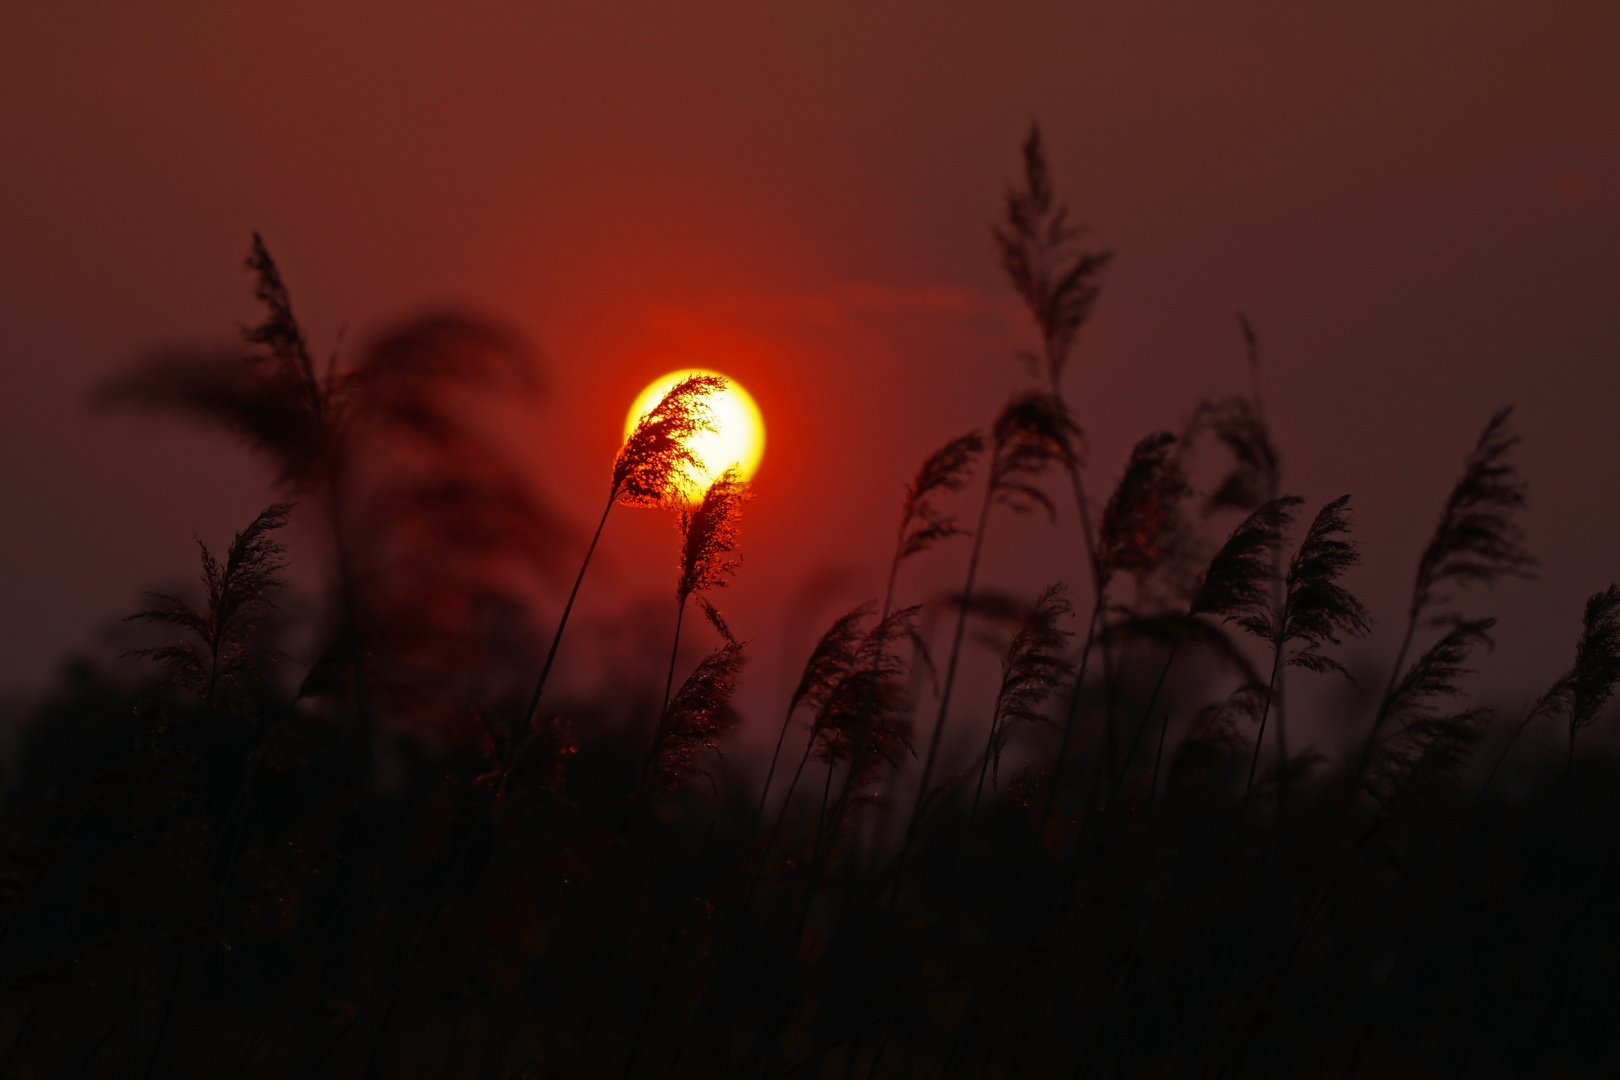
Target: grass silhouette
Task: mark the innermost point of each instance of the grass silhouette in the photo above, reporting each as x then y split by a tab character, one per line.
202	873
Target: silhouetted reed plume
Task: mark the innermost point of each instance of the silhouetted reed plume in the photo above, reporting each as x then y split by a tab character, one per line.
862	723
698	716
1590	683
1041	255
1477	541
1032	670
236	592
1316	610
922	521
1142	528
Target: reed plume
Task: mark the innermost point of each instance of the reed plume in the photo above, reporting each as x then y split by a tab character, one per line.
709	535
1477	541
1316	609
650	465
697	717
922	522
1237	585
1141	525
862	721
1041	254
1429	742
1590	683
218	656
1033	668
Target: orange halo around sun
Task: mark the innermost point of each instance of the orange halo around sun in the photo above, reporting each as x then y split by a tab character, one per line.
738	437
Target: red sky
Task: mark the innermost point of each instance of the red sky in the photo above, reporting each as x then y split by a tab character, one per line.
1418	204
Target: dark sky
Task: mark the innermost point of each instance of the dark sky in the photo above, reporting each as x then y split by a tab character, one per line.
1418	204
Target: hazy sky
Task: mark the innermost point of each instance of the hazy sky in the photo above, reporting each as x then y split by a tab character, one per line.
1418	204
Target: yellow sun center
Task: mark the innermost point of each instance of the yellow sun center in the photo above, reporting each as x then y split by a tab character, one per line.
738	437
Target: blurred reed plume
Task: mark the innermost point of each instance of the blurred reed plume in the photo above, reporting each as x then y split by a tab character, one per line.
417	860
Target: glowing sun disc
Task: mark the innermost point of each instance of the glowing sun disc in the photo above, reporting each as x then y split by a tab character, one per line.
738	437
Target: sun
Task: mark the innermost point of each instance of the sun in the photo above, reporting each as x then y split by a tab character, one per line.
738	438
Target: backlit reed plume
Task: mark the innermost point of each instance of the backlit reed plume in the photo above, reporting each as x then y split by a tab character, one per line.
708	537
698	716
861	723
1032	669
1239	424
217	656
923	523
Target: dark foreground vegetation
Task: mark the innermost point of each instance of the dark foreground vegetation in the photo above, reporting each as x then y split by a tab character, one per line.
409	860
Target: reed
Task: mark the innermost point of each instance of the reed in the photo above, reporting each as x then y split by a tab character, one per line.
413	857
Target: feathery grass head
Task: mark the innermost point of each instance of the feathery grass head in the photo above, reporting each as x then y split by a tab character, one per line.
1032	432
237	593
1477	540
1437	675
709	534
1237	584
830	661
1032	669
1430	744
1317	609
1040	254
1597	658
922	524
699	715
1581	692
648	468
863	715
1142	518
